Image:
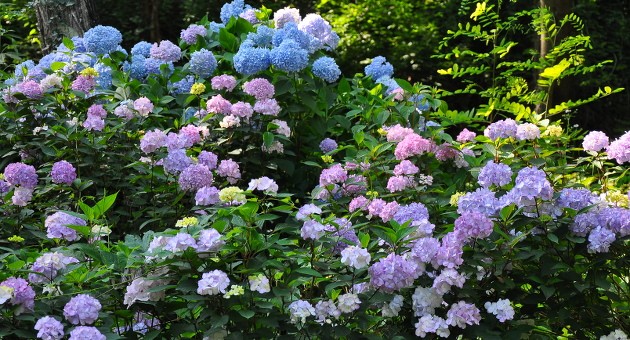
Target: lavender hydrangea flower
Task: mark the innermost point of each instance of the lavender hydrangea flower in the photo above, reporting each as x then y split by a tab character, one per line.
218	104
190	34
30	89
283	16
21	174
85	333
152	140
492	173
176	161
183	86
411	212
102	39
425	249
502	309
289	56
356	257
595	141
49	328
143	105
195	177
320	29
203	63
501	129
267	107
412	145
166	51
207	196
22	196
619	149
313	230
260	88
600	239
23	295
180	243
327	145
393	273
213	283
232	9
326	68
466	136
229	169
56	226
306	210
250	15
451	251
46	267
242	110
576	199
82	310
481	201
448	278
209	240
379	67
432	324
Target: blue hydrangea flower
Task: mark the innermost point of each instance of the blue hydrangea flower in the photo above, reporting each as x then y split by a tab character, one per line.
289	56
137	68
216	27
379	67
153	66
203	63
420	102
142	48
19	69
182	86
102	39
104	79
290	31
263	36
251	60
389	83
233	9
327	69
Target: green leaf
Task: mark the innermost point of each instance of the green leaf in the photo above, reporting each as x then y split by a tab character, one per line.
228	40
308	271
247	314
103	205
268	138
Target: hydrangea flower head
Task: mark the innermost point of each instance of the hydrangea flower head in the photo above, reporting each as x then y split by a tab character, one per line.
203	63
595	141
286	15
493	173
291	32
56	225
462	314
527	131
223	82
356	257
289	56
213	283
218	104
21	174
619	149
143	105
102	39
83	84
412	145
300	310
207	196
327	69
166	51
46	267
232	9
86	332
30	89
190	34
267	107
82	310
260	88
195	177
320	29
327	145
141	48
49	328
466	136
393	273
23	294
379	67
152	141
474	225
501	129
250	60
502	309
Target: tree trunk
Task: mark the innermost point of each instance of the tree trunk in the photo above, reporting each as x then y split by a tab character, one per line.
562	91
59	18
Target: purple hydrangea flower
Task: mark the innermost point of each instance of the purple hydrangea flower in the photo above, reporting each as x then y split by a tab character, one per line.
320	29
600	239
180	243
576	199
203	63
166	51
481	200
595	141
327	145
527	131
49	328
306	210
462	314
451	251
619	149
473	225
334	174
413	212
501	129
411	145
21	174
425	249
502	309
152	140
300	310
530	183
82	310
195	177
405	167
23	294
242	109
30	89
283	16
176	161
223	82
83	84
86	333
448	278
493	173
312	229
208	159
229	169
47	266
190	34
213	283
56	226
379	67
102	39
615	219
207	196
260	88
94	123
217	104
393	273
143	105
22	196
250	15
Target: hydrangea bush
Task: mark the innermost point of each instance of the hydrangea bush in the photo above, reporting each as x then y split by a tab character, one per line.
232	185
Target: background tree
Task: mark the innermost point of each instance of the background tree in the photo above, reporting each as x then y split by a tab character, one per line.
59	18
